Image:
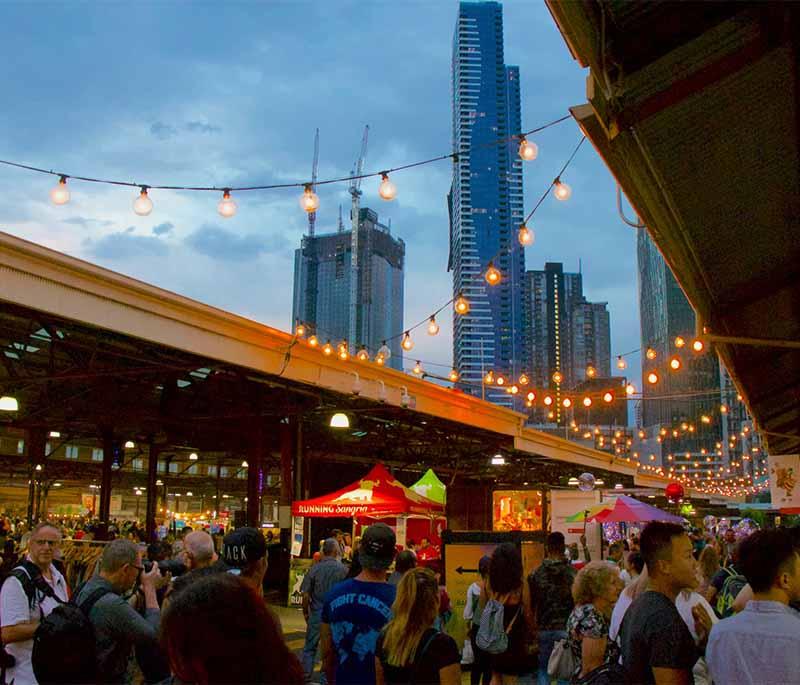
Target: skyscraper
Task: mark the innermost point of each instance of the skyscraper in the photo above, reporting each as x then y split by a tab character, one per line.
322	273
665	314
485	200
591	340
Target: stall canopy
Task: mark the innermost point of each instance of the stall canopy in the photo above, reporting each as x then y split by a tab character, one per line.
430	487
624	509
378	493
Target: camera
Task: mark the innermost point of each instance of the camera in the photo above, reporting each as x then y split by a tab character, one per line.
172	566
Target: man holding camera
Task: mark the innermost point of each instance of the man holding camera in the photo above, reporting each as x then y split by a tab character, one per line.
117	625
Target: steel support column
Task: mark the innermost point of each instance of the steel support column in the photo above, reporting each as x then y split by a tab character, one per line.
105	485
152	491
255	475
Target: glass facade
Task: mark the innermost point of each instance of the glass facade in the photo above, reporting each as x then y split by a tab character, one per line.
322	273
485	200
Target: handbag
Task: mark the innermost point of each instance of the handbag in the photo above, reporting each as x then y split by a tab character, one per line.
561	664
467	655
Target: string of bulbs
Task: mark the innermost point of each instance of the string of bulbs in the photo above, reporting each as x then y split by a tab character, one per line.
309	200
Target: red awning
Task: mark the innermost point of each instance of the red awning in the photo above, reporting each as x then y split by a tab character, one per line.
377	493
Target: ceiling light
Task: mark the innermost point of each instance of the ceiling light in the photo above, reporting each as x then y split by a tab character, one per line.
8	403
340	420
193	456
498	460
130	444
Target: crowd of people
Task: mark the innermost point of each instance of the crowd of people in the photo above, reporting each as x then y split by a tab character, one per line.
663	611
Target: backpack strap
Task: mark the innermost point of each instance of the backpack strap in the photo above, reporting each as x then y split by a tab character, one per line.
420	654
87	604
511	622
30	577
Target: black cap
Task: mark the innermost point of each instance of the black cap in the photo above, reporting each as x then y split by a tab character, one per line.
243	546
377	547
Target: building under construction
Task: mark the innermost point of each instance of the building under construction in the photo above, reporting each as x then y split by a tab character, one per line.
322	297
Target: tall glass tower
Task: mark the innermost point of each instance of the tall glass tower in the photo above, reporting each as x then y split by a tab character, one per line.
485	201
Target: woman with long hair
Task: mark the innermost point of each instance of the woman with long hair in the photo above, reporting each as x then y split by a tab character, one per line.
218	630
409	649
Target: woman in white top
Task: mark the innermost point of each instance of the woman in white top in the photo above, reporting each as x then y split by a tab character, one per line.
686	600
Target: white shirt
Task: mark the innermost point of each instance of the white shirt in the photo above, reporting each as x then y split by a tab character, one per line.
473	593
14	609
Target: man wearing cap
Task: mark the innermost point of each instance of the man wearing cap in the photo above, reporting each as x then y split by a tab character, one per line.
245	551
316	584
355	611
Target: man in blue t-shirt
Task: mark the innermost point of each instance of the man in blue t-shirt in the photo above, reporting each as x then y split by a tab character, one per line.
356	610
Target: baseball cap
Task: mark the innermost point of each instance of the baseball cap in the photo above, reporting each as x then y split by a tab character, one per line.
377	547
243	546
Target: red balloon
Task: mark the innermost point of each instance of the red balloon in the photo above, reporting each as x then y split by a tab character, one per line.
674	492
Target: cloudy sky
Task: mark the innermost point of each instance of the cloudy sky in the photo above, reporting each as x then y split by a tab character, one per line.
212	94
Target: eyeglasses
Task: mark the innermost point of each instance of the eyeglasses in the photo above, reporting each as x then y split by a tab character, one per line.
51	543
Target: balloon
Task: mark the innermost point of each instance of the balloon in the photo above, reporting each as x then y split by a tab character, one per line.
745	527
674	492
585	482
723	525
709	522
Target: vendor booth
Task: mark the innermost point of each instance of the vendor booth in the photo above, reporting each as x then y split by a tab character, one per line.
380	496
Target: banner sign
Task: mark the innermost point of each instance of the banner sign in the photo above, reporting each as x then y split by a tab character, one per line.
297	535
784	474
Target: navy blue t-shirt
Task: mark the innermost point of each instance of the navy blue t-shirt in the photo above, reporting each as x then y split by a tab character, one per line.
356	611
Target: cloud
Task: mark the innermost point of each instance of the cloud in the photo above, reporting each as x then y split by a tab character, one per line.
87	223
163	229
163	131
124	245
201	127
216	242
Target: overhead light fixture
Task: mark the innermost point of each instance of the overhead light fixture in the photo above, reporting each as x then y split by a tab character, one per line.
340	420
572	481
54	434
8	403
193	456
245	464
618	486
159	482
498	460
130	444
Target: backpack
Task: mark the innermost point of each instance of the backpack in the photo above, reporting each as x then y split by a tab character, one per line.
730	589
30	577
492	637
64	646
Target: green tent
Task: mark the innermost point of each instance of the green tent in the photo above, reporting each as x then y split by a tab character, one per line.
431	487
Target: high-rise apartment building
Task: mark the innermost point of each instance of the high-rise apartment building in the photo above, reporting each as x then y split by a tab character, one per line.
485	201
666	314
591	340
322	274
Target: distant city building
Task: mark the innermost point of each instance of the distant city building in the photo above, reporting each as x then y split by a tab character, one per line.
322	287
591	340
666	314
485	201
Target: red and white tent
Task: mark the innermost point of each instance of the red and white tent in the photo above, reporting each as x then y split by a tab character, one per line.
377	495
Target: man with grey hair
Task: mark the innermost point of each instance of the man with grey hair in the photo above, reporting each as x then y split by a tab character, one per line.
118	627
319	579
200	558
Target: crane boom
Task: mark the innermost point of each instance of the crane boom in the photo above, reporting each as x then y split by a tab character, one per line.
312	216
354	337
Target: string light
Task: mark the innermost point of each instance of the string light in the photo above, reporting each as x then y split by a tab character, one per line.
418	368
547	400
453	376
652	378
591	372
679	341
300	330
561	190
531	396
608	397
309	200
675	363
313	340
226	207
650	354
492	276
407	343
523	379
60	193
327	349
514	389
567	402
384	353
587	402
143	205
500	380
489	378
387	190
461	305
630	389
363	355
528	150
698	346
621	363
557	378
433	327
343	352
525	236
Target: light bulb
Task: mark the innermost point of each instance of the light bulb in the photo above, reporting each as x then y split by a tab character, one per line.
363	355
327	349
340	420
591	372
418	368
500	380
226	207
567	403
300	330
130	444
561	190
523	379
680	341
698	346
193	456
489	378
387	189
492	275
407	344
547	400
433	327
528	150
384	352
652	378
309	200
514	389
60	194
587	401
8	403
143	205
453	376
531	396
557	378
342	351
675	363
313	340
621	363
525	236
245	465
608	397
651	353
461	305
630	389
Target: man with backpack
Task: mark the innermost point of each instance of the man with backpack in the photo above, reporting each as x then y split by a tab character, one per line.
117	625
726	584
33	589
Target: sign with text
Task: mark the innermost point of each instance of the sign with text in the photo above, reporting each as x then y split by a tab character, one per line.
784	474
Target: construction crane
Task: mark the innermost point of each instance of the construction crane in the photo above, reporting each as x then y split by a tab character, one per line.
355	194
312	216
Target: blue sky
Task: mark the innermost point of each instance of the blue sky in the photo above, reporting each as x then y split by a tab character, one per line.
230	94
